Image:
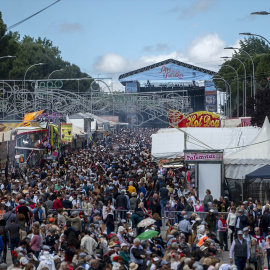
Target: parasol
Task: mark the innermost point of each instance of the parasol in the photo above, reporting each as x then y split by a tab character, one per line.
147	235
146	222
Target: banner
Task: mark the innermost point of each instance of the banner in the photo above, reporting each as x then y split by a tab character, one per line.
11	126
66	133
195	156
196	119
3	155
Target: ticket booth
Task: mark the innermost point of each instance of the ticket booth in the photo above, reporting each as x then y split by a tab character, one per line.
208	170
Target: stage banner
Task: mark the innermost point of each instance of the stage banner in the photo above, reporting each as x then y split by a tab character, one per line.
167	72
196	119
3	154
66	133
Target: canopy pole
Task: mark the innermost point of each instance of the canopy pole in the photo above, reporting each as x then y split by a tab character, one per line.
242	188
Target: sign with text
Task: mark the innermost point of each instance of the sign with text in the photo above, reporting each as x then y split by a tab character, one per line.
194	156
66	133
168	72
196	119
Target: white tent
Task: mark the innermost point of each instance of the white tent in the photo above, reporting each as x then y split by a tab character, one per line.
251	157
170	142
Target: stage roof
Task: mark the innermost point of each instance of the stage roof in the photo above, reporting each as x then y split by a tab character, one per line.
168	70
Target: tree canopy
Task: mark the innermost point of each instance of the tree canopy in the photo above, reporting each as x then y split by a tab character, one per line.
259	50
29	51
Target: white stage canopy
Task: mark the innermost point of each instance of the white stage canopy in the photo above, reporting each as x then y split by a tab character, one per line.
169	143
250	158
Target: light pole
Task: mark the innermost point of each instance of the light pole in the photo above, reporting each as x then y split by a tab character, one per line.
39	64
260	13
8	56
217	77
245	87
253	68
249	34
48	85
237	98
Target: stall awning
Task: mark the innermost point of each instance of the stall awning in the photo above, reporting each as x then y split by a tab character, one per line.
263	172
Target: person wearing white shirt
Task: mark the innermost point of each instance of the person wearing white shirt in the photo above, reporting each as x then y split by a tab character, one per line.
231	219
241	251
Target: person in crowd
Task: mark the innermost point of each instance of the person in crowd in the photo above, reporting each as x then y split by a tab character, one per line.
207	198
223	232
241	251
231	219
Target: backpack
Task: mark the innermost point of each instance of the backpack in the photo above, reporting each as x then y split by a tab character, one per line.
49	240
37	215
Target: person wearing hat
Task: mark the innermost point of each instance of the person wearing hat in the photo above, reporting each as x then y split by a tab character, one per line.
241	251
124	253
246	235
120	234
133	266
211	220
76	221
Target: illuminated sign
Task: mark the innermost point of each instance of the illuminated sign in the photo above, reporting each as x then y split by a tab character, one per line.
196	119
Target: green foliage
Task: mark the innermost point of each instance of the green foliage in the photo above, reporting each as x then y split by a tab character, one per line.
259	50
29	51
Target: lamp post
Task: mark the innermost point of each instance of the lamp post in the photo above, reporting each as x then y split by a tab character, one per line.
253	69
7	56
39	64
226	84
48	85
260	13
249	34
237	98
245	86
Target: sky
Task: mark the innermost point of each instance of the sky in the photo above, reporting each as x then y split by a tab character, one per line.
107	38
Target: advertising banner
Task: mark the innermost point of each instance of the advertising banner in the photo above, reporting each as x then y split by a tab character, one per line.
196	119
66	133
3	155
168	72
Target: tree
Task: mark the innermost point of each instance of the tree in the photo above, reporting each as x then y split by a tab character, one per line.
29	51
260	53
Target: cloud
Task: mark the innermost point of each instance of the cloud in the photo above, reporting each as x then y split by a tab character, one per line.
247	18
159	47
204	51
66	27
197	7
110	63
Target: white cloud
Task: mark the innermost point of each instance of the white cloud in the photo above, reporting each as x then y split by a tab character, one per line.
67	27
204	51
197	7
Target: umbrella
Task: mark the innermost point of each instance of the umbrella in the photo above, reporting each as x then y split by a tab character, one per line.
146	222
147	235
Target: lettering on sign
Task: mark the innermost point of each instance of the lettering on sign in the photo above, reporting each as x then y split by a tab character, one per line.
203	156
197	119
171	73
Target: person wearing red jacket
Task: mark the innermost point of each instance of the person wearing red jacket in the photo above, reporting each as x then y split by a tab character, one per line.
57	203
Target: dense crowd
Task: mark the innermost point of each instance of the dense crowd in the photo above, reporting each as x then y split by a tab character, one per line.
110	207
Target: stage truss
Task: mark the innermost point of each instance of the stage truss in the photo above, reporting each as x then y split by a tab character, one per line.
16	101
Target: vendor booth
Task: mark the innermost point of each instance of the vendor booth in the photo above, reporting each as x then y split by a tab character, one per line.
208	171
248	159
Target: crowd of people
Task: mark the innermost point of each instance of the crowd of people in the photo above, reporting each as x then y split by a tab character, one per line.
111	207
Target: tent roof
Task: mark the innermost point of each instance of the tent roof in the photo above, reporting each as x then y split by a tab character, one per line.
169	143
256	152
129	76
263	172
